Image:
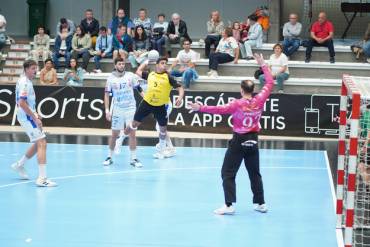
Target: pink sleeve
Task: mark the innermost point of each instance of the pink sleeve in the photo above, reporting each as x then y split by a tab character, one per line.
265	92
223	109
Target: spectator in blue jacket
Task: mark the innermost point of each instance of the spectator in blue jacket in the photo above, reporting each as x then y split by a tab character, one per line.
62	47
120	19
103	48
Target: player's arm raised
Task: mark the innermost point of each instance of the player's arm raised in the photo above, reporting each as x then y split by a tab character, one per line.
141	68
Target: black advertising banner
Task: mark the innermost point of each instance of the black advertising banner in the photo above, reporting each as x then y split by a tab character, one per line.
284	114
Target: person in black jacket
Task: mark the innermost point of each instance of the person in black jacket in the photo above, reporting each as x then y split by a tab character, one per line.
177	32
91	26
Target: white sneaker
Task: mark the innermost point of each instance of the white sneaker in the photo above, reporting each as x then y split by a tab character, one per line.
169	152
225	210
159	154
118	146
261	208
209	73
20	170
157	146
44	182
97	71
108	161
136	163
214	74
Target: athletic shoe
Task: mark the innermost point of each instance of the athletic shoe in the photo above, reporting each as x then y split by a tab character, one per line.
20	170
159	154
136	163
214	74
108	161
97	71
44	182
157	146
262	208
225	210
169	152
118	146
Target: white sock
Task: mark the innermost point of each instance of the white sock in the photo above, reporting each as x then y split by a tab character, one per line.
169	142
109	153
23	160
133	154
42	171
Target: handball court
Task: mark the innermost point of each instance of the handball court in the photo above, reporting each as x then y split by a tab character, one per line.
168	202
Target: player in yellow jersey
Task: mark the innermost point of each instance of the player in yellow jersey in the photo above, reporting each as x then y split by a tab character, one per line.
157	95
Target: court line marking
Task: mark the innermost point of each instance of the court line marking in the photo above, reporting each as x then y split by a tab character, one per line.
156	170
339	233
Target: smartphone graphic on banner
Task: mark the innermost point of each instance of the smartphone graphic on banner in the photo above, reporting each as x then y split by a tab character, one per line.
312	121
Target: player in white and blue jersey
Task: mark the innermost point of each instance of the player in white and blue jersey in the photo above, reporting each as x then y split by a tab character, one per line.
120	86
31	123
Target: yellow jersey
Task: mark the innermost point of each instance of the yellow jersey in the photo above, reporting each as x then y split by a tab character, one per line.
159	88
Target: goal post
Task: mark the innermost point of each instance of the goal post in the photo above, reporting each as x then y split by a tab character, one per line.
353	172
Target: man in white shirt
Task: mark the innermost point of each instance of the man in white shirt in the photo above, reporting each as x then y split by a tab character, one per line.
32	125
186	58
2	31
121	84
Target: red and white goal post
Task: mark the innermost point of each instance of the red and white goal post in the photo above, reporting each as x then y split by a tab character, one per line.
353	174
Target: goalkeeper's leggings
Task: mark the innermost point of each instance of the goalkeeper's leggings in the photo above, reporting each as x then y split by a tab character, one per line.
242	146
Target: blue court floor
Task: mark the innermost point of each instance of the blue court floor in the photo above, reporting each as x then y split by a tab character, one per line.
167	203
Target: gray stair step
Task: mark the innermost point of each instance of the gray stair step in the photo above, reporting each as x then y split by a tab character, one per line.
10	62
8	79
232	83
20	47
13	70
18	54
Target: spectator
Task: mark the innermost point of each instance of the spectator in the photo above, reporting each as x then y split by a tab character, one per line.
91	26
159	34
120	19
254	38
2	32
237	34
122	43
74	75
322	32
48	75
291	32
177	32
140	47
62	47
214	29
187	59
81	44
278	66
226	51
366	47
144	21
41	45
66	23
236	31
103	48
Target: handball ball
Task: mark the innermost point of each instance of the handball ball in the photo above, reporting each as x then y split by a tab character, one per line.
153	56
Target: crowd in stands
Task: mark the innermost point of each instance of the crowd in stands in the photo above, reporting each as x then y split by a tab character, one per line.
133	39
